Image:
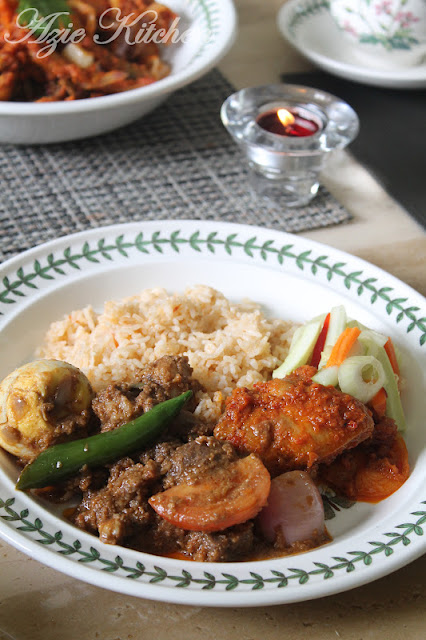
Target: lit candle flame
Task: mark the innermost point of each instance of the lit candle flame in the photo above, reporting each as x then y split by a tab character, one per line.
285	117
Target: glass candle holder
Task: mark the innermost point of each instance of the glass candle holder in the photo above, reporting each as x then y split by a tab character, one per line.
285	158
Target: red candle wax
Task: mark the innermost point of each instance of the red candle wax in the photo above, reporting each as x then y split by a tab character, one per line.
285	122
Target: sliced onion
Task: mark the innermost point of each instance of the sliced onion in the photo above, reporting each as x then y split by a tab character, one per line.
78	55
361	377
294	509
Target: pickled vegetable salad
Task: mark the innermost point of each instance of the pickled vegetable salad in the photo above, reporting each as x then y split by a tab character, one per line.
351	357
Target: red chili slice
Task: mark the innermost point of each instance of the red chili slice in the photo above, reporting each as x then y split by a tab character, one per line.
319	345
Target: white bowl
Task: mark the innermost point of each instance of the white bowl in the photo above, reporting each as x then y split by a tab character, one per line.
212	28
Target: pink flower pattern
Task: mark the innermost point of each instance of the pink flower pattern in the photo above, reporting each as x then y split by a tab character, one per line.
406	18
393	23
384	7
349	28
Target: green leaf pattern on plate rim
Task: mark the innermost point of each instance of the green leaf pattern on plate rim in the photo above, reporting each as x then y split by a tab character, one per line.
278	579
211	20
104	250
308	9
55	266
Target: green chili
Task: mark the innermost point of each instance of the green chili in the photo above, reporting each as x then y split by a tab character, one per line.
62	460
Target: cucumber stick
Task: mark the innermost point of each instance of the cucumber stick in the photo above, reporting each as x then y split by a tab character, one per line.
327	376
393	403
300	330
301	348
337	324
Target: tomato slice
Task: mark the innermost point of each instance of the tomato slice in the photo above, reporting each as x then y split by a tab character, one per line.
319	346
225	498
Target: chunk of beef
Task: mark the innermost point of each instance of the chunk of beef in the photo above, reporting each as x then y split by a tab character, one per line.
165	378
117	404
172	374
230	545
161	453
119	511
117	508
197	459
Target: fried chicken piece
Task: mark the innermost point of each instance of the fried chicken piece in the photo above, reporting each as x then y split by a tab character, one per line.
293	423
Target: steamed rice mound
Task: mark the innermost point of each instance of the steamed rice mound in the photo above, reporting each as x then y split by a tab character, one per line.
227	344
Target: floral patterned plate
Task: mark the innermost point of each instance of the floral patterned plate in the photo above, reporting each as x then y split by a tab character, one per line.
310	28
291	277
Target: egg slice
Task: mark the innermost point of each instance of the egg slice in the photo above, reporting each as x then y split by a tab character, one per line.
41	403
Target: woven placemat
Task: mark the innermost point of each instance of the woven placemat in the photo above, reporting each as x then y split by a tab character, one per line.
178	162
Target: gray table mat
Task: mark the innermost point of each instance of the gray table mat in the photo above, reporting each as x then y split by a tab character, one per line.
178	162
391	141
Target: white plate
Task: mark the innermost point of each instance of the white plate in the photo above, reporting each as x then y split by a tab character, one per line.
309	27
292	277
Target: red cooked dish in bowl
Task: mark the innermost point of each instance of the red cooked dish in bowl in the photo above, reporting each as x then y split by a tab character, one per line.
117	46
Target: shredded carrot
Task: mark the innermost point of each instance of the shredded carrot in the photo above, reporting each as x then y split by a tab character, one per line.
390	350
378	403
344	344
